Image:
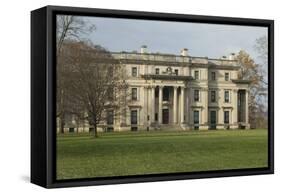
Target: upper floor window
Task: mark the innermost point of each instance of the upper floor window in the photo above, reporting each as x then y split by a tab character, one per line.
226	96
134	94
157	71
213	76
196	95
134	71
176	71
213	96
226	76
196	74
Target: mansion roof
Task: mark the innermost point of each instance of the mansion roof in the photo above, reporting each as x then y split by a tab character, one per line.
169	59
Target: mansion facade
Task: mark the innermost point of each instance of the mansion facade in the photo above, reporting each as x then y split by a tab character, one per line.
179	92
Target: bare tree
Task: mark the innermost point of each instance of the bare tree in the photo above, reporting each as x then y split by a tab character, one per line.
71	27
68	28
96	82
261	47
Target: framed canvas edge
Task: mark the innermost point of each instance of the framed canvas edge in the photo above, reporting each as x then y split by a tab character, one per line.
51	181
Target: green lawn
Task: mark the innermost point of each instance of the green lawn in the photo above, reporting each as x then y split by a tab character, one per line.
133	153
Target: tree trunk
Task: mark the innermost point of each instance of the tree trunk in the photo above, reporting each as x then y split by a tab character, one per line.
62	123
94	129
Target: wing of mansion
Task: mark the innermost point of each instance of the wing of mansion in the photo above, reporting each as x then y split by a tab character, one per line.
178	92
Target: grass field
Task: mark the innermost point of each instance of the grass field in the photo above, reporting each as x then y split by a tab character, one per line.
133	153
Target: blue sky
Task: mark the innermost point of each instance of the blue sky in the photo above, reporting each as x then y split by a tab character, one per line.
203	40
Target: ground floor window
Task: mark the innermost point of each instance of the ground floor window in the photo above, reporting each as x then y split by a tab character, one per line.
134	117
226	117
71	130
134	120
213	119
110	117
109	129
196	119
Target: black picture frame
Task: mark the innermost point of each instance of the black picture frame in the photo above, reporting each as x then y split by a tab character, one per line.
43	84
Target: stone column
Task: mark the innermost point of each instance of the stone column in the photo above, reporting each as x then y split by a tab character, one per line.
182	105
187	108
145	111
235	107
152	114
175	105
220	100
160	120
246	107
205	92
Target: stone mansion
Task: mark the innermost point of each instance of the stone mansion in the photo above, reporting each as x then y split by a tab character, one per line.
179	92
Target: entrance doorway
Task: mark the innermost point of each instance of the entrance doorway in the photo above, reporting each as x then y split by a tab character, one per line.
165	116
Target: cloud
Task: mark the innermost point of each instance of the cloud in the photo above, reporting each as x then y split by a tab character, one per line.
210	40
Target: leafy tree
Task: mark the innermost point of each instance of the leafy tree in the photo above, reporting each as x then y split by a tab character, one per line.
252	71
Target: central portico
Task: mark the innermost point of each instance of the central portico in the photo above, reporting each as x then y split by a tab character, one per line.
166	105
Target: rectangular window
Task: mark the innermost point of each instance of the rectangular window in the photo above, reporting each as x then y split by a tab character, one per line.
213	96
196	75
226	117
226	76
134	94
166	94
157	72
110	117
226	96
196	95
134	117
213	76
196	117
134	71
176	71
156	116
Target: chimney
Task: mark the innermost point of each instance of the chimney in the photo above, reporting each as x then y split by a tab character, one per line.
143	49
184	52
231	56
